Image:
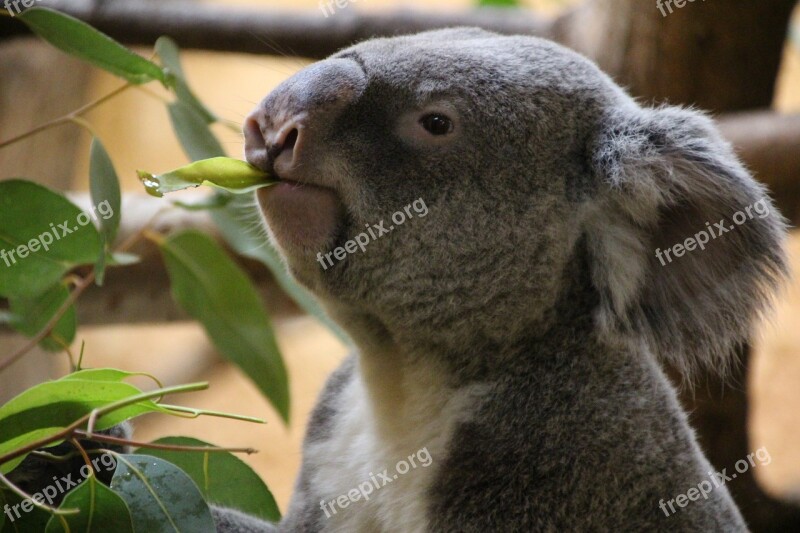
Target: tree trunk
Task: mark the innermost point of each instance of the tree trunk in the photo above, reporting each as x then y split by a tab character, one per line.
721	55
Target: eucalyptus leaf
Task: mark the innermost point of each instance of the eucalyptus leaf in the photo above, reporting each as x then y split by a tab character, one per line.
232	175
211	288
33	520
169	53
43	225
160	496
214	201
102	374
223	478
46	409
31	315
196	138
101	510
78	39
106	199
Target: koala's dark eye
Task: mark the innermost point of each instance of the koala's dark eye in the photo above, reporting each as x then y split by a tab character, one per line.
437	124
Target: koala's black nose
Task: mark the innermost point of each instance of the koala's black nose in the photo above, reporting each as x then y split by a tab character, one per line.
284	133
269	148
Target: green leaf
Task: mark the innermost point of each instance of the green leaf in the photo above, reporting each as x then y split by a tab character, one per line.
169	53
33	218
196	138
10	445
101	511
214	201
46	409
238	231
31	521
223	478
232	175
106	199
102	374
161	497
31	315
81	40
211	288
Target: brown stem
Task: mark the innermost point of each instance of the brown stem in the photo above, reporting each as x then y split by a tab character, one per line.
71	117
25	496
172	447
39	337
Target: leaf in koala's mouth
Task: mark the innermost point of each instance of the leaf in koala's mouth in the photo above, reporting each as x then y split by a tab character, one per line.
232	175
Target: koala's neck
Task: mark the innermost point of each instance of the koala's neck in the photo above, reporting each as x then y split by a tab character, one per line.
402	386
410	381
403	394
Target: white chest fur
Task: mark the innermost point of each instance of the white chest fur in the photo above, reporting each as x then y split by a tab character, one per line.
387	442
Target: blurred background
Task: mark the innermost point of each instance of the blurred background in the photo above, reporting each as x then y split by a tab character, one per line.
137	133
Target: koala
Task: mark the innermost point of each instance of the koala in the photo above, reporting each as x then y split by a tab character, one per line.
516	333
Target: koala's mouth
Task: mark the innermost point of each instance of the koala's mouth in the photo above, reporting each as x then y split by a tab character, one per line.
291	190
303	216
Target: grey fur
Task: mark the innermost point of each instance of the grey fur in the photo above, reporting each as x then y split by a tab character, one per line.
531	289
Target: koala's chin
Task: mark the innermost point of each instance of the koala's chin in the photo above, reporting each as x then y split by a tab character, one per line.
302	221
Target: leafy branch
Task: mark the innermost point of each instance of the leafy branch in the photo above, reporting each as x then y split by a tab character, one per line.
69	117
49	275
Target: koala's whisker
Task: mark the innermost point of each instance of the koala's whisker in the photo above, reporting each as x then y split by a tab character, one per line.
271	64
276	48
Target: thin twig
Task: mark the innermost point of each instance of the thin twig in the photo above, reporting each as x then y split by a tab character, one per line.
70	117
172	447
153	94
51	324
25	496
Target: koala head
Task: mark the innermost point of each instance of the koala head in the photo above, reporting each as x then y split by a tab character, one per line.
528	161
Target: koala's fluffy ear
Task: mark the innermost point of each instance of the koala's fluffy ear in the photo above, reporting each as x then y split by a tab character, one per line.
663	176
